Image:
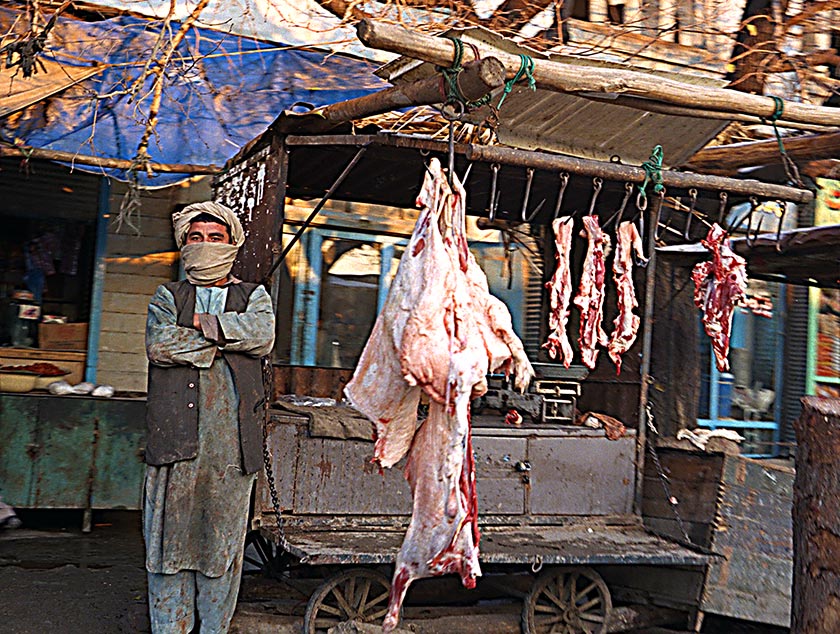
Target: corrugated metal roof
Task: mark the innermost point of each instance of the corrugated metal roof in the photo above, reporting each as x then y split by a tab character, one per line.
579	125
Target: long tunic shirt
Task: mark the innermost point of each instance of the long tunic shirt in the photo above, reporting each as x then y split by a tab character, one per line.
195	511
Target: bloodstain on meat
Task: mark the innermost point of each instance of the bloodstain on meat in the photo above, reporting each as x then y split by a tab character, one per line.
439	332
719	286
590	297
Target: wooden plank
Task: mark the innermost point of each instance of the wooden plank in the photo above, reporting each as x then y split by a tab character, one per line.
149	266
132	343
137	245
125	303
122	381
137	284
125	361
148	225
133	323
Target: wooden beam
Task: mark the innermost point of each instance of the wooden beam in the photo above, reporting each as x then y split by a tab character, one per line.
478	78
98	161
724	159
572	78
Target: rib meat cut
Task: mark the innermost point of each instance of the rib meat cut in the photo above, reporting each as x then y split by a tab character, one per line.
719	286
560	292
628	247
590	297
440	332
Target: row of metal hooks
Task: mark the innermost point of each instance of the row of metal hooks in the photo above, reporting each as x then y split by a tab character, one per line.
660	228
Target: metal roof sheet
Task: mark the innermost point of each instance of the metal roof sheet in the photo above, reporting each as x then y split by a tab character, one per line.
588	126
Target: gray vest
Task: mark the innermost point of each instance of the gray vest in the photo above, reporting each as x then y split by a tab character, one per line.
172	403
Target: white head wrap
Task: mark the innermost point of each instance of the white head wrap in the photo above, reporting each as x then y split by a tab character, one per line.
207	262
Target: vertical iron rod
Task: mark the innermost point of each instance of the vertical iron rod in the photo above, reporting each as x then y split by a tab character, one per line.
317	209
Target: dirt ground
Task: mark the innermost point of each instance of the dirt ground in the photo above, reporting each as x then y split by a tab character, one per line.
57	579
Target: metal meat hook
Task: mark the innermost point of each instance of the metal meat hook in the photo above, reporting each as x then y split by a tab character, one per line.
722	210
526	217
597	183
692	194
564	180
783	209
751	239
642	262
619	214
493	203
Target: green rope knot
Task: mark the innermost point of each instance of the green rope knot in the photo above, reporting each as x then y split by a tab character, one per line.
791	170
526	68
653	172
450	79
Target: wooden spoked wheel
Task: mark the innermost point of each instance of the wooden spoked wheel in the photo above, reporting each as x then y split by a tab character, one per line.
567	601
357	594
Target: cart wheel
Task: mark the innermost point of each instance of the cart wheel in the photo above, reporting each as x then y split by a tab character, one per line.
263	554
567	601
358	594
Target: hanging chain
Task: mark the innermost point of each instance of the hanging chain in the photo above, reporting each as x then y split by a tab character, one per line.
267	380
672	501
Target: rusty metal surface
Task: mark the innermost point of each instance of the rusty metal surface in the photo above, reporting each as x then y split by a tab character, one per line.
753	534
582	476
584	543
252	188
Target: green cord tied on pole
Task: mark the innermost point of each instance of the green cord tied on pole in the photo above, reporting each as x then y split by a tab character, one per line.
653	172
526	69
450	79
791	170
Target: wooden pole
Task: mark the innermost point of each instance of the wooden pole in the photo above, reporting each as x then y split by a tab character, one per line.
816	519
98	161
478	78
573	78
724	159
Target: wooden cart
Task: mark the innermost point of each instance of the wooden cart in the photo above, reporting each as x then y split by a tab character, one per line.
559	505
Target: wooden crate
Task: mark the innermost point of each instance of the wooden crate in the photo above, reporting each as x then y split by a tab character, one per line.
63	336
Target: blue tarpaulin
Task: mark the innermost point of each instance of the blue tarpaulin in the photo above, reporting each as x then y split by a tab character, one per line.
221	91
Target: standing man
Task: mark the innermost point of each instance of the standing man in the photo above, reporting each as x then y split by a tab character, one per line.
204	339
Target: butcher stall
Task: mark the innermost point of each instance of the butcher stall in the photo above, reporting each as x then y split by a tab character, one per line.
559	492
561	443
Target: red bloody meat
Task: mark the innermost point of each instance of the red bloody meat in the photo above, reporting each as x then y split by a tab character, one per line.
719	286
560	292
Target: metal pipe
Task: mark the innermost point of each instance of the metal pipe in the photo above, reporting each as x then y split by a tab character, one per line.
316	210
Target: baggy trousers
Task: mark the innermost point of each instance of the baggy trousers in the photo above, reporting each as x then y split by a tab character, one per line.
180	601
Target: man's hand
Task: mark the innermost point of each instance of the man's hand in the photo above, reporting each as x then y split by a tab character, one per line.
196	322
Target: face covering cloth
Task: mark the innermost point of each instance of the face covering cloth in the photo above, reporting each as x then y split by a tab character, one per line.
206	263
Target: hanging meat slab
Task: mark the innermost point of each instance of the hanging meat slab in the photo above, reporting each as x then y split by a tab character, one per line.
560	293
719	286
590	297
628	249
440	332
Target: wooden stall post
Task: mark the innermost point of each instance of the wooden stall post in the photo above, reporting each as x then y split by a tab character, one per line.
816	519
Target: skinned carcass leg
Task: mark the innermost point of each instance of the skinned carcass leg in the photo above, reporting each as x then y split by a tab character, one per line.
560	293
628	246
719	286
590	297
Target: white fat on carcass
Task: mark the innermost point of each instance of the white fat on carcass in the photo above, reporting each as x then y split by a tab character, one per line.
441	332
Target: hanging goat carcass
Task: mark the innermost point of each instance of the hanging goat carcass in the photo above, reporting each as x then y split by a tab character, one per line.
439	332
